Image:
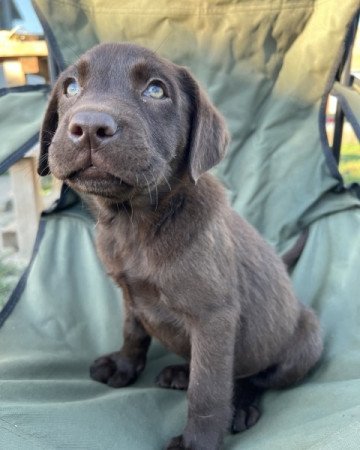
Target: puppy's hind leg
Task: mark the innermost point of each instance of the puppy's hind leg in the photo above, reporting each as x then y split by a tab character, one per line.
246	405
300	355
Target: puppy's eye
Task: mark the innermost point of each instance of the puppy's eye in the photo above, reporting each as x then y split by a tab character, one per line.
154	90
71	87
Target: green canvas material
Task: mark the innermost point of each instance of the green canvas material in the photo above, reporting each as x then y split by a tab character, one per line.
70	313
21	113
267	66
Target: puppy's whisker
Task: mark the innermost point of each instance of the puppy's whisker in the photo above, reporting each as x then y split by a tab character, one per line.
157	197
102	146
148	186
167	182
45	141
132	212
50	132
156	192
126	211
66	188
43	157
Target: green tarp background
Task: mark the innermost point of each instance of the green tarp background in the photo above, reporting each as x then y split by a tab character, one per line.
267	65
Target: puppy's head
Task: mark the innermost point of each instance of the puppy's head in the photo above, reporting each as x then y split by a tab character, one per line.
122	120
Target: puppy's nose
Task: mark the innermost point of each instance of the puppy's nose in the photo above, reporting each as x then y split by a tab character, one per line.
92	126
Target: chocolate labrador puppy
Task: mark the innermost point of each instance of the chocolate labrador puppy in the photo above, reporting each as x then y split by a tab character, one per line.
136	135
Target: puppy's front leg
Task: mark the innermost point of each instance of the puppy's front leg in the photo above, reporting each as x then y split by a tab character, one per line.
121	368
211	383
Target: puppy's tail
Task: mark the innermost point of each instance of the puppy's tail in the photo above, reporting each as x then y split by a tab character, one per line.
291	257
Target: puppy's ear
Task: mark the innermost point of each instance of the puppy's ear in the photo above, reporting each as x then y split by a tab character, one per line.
47	132
208	133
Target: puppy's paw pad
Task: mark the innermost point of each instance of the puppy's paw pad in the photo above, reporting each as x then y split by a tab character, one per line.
113	370
174	377
176	443
245	418
102	369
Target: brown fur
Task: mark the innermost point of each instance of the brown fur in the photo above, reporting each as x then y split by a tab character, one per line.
194	274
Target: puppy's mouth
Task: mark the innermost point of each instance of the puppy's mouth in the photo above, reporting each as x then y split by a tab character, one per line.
93	173
93	180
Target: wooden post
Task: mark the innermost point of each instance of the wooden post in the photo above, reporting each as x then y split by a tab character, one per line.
27	202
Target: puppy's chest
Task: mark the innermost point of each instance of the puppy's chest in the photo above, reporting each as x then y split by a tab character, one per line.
125	256
134	266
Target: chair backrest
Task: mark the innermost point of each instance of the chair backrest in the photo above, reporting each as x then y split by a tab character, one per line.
21	111
268	66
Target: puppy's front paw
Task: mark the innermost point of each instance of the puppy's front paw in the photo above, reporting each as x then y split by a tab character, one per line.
176	443
115	370
192	443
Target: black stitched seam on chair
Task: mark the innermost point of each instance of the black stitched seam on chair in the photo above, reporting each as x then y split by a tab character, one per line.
24	88
19	288
19	153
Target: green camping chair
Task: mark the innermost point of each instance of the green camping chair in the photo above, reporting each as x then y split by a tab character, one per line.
268	66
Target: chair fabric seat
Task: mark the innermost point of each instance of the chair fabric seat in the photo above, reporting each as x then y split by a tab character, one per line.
268	66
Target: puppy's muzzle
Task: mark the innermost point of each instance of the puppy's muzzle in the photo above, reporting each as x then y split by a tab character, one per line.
92	128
